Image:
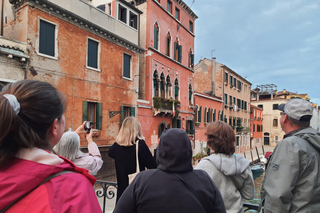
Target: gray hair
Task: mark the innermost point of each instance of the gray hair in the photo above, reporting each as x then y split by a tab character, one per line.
68	146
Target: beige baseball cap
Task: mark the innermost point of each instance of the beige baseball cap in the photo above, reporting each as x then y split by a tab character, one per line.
298	109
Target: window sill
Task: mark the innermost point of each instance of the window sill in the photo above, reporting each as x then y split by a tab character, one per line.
125	78
47	56
95	132
92	68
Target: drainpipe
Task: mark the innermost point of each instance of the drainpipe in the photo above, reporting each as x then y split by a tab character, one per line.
1	30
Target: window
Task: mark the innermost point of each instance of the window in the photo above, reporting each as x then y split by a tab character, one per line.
177	51
239	103
162	83
254	128
245	105
133	20
189	127
230	120
176	89
260	105
231	80
92	111
230	100
177	14
127	111
208	116
199	114
226	77
93	54
234	82
168	87
109	9
191	59
161	128
190	94
47	37
156	36
258	128
122	14
169	6
191	26
225	99
179	123
275	106
155	85
168	44
205	114
126	66
239	85
275	122
234	100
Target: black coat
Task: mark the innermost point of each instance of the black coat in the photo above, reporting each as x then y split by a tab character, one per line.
174	186
125	162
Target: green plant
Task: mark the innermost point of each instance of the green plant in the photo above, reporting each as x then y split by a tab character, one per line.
157	102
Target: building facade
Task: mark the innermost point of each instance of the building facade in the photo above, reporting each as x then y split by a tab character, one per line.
256	126
269	100
218	80
166	68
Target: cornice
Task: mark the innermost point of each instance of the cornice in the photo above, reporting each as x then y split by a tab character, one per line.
70	17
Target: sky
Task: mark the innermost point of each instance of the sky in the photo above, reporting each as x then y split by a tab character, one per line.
265	41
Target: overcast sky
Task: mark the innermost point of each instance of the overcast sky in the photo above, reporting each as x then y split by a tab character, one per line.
265	41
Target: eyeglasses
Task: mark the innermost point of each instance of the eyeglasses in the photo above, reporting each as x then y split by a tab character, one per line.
282	113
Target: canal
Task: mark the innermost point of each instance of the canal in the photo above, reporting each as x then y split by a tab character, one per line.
258	179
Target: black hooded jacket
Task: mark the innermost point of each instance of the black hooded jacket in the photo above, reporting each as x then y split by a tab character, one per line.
174	186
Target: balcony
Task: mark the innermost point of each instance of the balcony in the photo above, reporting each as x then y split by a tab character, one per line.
163	106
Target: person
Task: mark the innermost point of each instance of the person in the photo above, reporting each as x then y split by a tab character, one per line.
69	147
174	186
123	151
231	173
291	182
32	179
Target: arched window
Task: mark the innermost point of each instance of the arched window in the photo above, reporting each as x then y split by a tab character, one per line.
168	87
177	50
199	114
168	44
208	115
213	115
196	113
176	89
155	84
162	84
161	128
190	94
156	36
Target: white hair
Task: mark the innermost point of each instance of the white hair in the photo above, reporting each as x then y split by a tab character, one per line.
68	146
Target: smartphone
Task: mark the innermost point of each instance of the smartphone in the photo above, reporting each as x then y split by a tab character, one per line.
87	126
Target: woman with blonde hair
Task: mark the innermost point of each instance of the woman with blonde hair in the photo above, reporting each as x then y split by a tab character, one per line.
123	151
231	173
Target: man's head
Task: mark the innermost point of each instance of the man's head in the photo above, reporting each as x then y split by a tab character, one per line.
295	114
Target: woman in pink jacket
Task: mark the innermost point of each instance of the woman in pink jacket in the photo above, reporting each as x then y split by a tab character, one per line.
32	179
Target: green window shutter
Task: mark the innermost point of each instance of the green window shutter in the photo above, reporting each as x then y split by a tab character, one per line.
179	53
200	112
192	60
155	38
122	116
175	52
214	116
179	123
84	111
99	116
133	112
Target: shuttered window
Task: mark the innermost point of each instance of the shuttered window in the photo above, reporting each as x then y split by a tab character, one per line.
126	65
156	38
92	55
47	38
127	111
92	111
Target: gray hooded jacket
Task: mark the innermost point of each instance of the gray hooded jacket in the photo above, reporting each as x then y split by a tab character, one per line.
292	179
233	177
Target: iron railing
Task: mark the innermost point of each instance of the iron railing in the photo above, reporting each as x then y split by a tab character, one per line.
105	190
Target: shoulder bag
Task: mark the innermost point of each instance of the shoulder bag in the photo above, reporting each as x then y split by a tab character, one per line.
132	176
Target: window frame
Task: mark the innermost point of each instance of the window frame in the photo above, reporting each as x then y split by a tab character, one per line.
126	15
55	39
130	66
137	21
98	113
169	6
177	13
98	54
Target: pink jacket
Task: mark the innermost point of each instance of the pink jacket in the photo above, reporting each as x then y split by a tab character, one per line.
71	192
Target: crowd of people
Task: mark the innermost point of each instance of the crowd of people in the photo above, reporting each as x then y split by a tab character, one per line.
42	168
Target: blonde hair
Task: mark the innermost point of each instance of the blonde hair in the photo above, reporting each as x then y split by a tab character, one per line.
130	130
68	146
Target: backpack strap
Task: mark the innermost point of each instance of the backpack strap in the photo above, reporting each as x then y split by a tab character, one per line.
42	182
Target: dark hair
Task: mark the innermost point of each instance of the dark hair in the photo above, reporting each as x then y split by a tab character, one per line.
303	122
40	105
221	138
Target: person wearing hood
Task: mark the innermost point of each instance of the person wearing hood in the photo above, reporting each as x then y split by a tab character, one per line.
292	178
231	173
174	186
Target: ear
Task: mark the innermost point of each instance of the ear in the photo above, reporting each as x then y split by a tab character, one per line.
54	128
285	118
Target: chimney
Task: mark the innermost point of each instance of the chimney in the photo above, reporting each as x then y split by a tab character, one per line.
213	76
